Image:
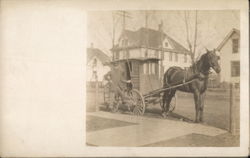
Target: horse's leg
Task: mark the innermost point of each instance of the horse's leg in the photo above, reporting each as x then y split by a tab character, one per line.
202	106
164	101
168	100
172	93
197	105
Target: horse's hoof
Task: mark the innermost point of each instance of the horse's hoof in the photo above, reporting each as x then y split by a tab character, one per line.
164	115
196	121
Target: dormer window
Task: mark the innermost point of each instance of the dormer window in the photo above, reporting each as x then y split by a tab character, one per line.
146	53
166	44
176	57
170	56
126	42
235	45
185	58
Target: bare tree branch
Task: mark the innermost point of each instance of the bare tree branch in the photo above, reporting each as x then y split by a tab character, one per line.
192	46
187	31
195	35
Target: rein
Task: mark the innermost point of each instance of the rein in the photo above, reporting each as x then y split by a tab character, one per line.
161	90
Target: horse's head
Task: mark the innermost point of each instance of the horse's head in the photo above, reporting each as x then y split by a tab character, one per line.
212	59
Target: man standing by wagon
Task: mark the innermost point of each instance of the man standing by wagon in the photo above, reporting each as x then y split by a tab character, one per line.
118	83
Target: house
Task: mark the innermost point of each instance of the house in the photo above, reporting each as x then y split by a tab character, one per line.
147	43
96	64
229	50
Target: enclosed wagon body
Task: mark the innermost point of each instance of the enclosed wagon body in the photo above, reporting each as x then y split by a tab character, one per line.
144	73
146	84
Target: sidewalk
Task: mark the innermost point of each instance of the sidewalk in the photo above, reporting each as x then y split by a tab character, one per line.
145	131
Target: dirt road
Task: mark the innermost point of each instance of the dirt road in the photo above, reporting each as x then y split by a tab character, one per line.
216	111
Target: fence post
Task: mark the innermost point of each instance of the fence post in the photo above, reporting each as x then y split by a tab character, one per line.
96	94
233	111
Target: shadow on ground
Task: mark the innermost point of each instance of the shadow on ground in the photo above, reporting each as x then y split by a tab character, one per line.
199	140
153	112
95	123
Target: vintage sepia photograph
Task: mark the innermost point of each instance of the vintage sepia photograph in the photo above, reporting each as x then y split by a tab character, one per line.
163	78
124	78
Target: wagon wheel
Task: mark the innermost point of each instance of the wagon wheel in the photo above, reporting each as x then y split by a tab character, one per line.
173	103
137	101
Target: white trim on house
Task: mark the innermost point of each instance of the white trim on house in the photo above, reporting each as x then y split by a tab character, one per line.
227	38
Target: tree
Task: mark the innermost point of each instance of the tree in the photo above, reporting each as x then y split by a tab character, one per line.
191	46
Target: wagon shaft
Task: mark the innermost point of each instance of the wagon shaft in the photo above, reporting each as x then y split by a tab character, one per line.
153	100
171	86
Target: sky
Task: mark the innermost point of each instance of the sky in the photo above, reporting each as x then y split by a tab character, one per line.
213	26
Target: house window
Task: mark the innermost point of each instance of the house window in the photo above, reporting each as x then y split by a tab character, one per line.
185	58
146	53
117	55
235	68
145	68
156	53
123	42
126	42
127	54
166	44
95	61
170	56
235	45
153	68
176	57
150	68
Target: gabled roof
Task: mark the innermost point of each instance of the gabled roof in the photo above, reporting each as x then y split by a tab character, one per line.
227	38
151	38
92	52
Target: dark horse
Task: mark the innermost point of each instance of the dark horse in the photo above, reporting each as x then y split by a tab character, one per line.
198	85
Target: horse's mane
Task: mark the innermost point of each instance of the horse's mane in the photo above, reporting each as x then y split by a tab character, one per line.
198	62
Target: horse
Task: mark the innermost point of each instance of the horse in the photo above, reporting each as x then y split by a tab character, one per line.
197	86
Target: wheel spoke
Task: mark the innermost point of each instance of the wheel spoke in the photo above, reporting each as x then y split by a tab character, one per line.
137	102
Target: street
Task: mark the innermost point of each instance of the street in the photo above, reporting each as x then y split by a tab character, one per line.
216	110
176	130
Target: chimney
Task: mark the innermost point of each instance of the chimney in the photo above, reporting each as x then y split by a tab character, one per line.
92	45
160	26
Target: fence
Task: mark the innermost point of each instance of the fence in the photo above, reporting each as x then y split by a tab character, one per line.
234	109
95	86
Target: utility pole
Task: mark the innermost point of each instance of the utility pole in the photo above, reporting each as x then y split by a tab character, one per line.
161	53
124	15
146	19
113	35
146	26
